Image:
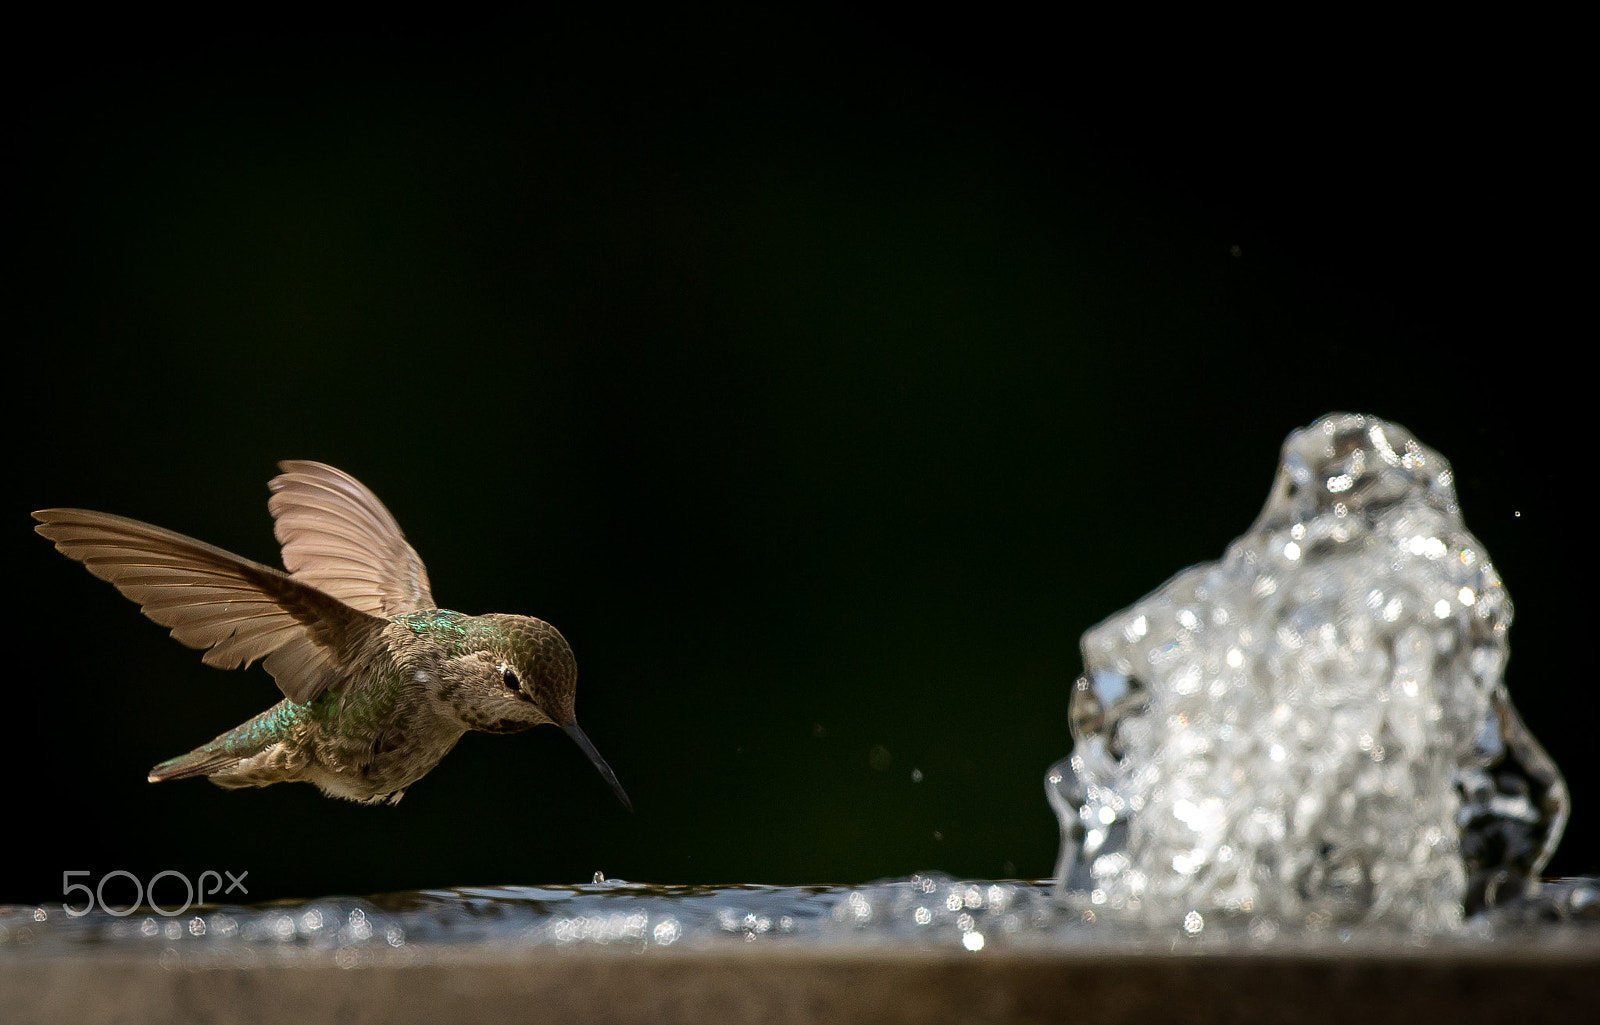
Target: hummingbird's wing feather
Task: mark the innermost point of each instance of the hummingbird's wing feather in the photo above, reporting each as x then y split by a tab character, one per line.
235	609
339	538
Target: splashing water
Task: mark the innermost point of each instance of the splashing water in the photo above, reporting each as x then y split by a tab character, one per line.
1313	730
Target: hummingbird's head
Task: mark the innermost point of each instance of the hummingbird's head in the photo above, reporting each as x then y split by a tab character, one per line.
516	674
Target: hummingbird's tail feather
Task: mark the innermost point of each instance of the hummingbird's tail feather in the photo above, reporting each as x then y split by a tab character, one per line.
198	762
255	753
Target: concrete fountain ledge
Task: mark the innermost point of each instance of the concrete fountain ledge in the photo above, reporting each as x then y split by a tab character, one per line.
794	981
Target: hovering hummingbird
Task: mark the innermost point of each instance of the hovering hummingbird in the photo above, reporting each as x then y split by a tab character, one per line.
379	683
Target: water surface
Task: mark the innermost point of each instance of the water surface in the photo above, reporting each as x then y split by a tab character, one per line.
923	912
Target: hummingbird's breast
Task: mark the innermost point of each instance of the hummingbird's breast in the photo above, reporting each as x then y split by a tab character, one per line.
381	738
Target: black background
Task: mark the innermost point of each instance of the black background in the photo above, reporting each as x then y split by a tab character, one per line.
822	381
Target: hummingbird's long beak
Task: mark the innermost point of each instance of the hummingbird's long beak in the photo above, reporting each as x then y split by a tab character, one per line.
600	763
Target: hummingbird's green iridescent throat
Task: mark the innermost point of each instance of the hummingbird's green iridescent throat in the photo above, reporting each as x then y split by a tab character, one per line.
378	682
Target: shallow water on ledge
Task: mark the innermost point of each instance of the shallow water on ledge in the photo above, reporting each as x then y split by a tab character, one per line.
924	912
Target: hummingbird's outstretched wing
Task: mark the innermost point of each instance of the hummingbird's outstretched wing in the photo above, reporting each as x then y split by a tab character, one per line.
339	538
236	609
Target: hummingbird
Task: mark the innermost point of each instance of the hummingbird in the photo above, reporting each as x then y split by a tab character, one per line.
379	683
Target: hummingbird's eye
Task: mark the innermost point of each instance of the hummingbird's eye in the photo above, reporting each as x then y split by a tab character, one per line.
510	678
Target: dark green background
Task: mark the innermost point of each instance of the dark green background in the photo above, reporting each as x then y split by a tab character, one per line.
822	382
